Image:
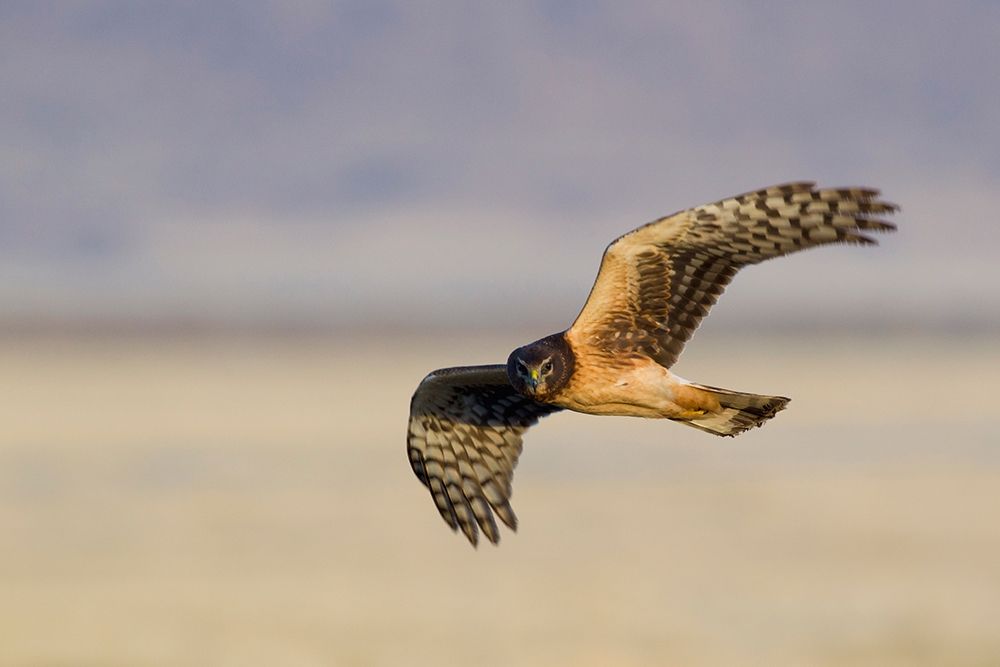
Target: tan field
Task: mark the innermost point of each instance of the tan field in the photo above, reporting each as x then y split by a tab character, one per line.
248	502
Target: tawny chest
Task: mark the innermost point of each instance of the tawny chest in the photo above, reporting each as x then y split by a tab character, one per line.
640	383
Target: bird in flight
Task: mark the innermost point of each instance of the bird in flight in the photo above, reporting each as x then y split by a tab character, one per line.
655	285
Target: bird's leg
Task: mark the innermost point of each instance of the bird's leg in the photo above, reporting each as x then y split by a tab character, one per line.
694	403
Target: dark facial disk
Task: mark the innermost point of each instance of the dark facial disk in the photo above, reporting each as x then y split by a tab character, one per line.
542	368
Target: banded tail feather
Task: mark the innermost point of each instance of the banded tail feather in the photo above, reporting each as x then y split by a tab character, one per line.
740	411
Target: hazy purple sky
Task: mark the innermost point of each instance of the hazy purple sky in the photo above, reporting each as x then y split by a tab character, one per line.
451	163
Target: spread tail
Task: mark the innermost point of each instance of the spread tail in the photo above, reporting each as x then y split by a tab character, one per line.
740	411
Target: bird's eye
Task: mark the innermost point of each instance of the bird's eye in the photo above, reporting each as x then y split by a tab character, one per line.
547	367
521	367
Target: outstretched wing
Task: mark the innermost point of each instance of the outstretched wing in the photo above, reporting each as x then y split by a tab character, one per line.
464	440
657	282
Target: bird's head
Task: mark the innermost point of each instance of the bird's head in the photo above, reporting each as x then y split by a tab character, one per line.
542	368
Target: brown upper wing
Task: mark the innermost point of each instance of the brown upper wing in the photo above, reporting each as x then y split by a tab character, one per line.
657	282
463	442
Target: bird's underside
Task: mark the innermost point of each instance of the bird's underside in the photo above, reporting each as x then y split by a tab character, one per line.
637	386
655	285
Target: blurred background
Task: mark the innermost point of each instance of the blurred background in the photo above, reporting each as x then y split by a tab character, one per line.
235	236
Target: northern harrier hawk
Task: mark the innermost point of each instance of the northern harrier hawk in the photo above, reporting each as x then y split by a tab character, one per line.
654	286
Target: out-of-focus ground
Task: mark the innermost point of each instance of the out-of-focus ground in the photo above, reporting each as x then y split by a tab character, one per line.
247	501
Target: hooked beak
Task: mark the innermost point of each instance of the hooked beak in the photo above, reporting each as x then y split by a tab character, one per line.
532	380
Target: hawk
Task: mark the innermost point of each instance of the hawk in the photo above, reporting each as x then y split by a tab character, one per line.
654	286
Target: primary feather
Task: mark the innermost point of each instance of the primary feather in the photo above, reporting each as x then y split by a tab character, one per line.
463	441
657	282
